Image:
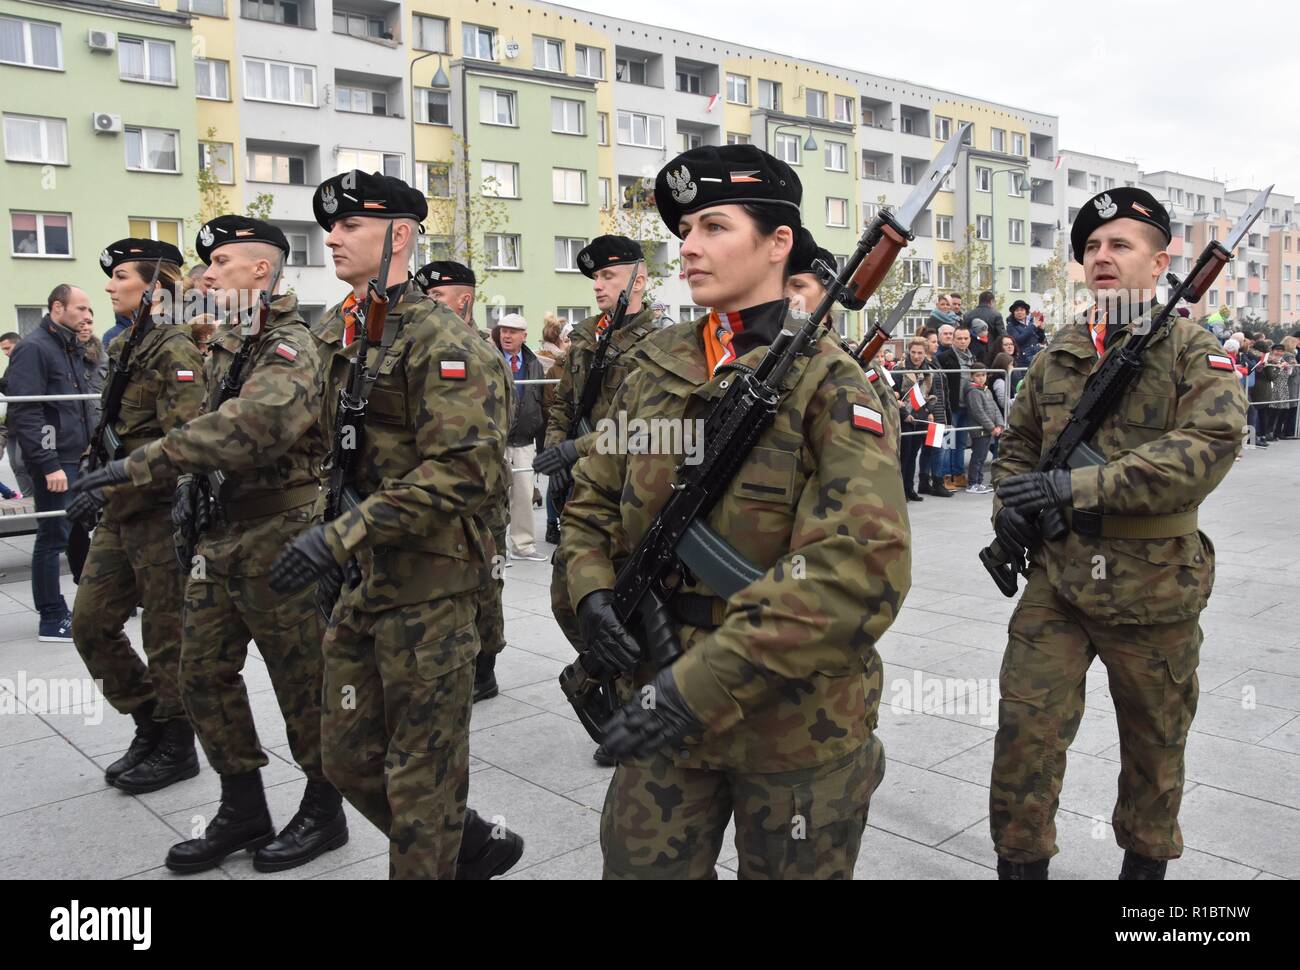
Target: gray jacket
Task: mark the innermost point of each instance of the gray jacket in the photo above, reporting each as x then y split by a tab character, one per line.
983	410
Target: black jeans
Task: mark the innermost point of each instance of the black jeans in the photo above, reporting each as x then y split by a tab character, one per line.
51	542
909	448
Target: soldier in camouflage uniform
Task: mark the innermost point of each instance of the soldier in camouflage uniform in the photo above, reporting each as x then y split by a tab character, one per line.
452	284
400	645
130	562
769	715
1129	579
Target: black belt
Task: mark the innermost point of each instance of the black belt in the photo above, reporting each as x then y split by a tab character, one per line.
692	609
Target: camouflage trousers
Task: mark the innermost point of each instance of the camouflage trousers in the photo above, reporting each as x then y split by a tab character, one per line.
131	564
564	610
399	685
222	614
1152	674
489	618
661	821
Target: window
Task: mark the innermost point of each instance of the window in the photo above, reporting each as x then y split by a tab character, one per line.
688	313
495	311
275	12
1094	183
213	8
212	79
387	162
297	248
361	101
837	211
735	138
816	103
737	89
606	192
787	148
1286	243
434	179
281	169
151	61
501	180
572	314
1286	272
432	107
638	129
630	70
568	117
1018	144
41	234
152	150
161	230
1286	301
983	179
1109	183
688	83
942	128
359	24
566	253
29	318
32	139
548	54
501	251
916	272
1017	279
1017	230
689	140
589	62
219	159
496	107
30	43
943	282
430	34
997	140
1214	298
837	156
984	227
278	81
968	138
844	109
943	227
431	248
946	184
569	185
769	95
1016	185
985	276
1230	297
907	173
602	127
479	42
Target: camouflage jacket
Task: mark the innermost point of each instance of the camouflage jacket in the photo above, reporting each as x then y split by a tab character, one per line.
165	390
573	368
267	441
1168	444
791	677
431	456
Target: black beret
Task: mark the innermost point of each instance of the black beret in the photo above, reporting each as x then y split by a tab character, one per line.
1018	303
133	250
806	252
444	272
1126	202
217	232
725	175
355	193
608	251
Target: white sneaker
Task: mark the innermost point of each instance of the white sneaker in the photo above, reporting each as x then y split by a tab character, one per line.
533	556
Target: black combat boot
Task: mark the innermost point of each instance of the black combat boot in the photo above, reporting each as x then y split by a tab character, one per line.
483	854
1022	870
553	533
242	822
936	487
319	826
148	733
1140	867
602	758
485	677
173	760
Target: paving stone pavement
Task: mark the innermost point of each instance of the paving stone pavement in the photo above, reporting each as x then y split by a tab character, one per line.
531	762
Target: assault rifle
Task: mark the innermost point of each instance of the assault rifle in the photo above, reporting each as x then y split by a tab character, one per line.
1105	388
581	421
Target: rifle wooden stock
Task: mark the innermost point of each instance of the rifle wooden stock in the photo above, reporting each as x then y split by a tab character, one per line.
877	264
870	347
1206	271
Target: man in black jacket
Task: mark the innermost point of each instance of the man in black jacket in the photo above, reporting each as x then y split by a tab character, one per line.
52	436
527	431
986	312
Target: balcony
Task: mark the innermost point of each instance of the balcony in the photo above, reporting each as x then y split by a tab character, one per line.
1043	192
290	13
1042	146
913	121
911	169
376	21
877	114
635	66
1042	235
358	92
877	166
692	135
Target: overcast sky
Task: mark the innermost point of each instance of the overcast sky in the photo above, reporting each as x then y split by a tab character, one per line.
1192	86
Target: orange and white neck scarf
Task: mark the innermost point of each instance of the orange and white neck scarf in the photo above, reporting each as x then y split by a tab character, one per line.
719	331
1097	329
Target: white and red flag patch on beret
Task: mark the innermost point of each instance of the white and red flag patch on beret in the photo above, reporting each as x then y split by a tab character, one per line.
287	352
867	419
1219	362
185	375
452	370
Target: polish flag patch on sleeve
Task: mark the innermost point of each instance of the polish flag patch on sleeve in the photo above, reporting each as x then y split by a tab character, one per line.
287	352
452	370
186	376
1219	362
867	419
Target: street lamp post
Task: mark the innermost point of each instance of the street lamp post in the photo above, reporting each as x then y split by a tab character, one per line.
1017	175
439	80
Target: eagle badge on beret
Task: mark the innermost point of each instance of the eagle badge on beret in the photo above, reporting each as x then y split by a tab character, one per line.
683	189
1105	207
586	260
205	236
106	258
328	200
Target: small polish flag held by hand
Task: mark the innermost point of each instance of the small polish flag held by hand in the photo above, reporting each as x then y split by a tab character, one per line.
916	398
934	435
713	101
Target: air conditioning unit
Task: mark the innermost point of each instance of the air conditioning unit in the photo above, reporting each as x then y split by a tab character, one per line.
101	40
105	123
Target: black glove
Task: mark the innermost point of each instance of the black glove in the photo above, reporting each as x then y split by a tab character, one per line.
189	510
304	559
1036	492
604	637
329	587
656	717
87	493
557	462
1016	533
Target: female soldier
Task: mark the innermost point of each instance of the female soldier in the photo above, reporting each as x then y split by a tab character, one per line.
131	560
769	713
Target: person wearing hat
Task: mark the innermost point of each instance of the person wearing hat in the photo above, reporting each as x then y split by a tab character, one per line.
452	284
400	647
1029	337
527	429
130	561
267	444
1130	576
609	262
769	714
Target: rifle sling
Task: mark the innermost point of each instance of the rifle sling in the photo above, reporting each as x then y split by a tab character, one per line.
268	503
